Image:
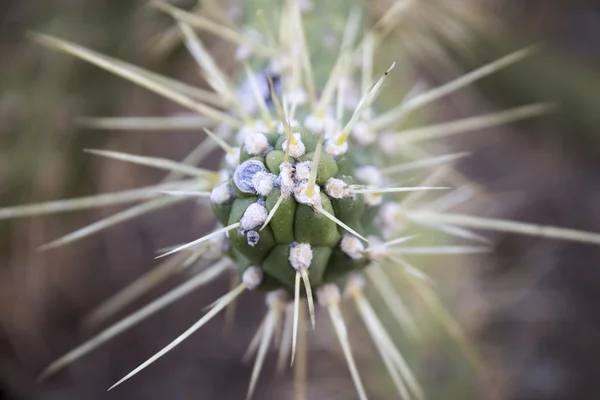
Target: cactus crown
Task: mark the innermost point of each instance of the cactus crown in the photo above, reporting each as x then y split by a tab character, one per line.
282	226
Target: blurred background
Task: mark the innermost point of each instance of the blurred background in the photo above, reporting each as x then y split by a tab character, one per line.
530	306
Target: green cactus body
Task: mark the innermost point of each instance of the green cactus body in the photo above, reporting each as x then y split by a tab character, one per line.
264	179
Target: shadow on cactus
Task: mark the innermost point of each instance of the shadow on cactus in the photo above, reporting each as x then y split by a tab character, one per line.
305	200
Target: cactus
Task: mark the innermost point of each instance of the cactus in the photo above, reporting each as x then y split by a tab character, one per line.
304	200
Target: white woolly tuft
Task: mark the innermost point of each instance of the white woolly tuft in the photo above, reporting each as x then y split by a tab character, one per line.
264	182
256	143
276	298
301	196
363	134
296	150
301	256
354	283
352	247
250	129
254	216
376	250
334	150
281	128
221	194
243	132
387	143
303	170
252	277
390	211
286	173
370	175
328	294
297	97
337	188
233	159
216	248
317	125
373	199
391	217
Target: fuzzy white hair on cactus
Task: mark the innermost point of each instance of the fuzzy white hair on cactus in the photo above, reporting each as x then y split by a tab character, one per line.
264	182
373	199
370	175
233	158
256	143
254	216
301	256
325	123
334	149
286	175
296	149
338	189
352	246
302	197
221	194
303	170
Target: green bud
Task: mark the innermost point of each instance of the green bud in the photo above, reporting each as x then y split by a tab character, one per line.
222	212
313	227
277	265
319	264
345	165
282	222
272	137
274	160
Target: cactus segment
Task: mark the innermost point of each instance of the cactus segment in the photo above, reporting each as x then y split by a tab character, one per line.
299	196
